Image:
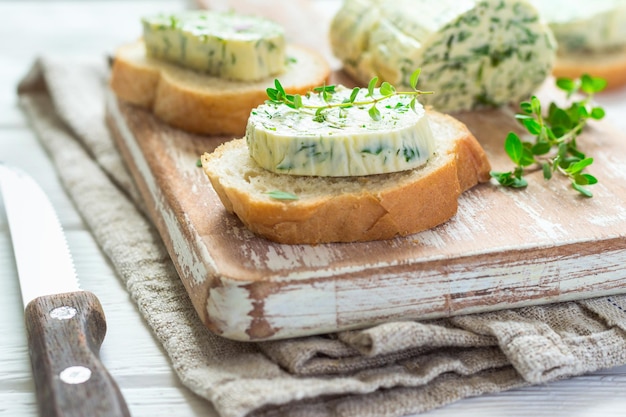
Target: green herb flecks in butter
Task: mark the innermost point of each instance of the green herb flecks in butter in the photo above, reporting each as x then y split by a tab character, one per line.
582	26
472	52
225	45
346	141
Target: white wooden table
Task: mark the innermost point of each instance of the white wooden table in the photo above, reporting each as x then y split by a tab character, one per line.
78	28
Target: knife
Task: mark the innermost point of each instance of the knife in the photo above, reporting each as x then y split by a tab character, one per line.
65	326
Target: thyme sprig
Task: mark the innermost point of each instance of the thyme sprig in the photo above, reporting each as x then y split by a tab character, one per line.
555	147
278	95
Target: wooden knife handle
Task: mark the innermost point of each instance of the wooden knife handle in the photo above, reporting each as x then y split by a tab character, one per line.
65	332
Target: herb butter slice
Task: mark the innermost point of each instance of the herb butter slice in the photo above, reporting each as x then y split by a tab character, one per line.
472	53
226	45
582	26
344	141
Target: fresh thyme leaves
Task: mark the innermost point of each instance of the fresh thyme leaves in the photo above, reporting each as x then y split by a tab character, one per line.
282	195
174	22
555	147
199	163
278	95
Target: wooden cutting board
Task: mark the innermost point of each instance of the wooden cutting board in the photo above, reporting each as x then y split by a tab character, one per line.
504	248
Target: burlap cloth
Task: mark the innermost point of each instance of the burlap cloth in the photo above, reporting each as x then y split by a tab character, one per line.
389	370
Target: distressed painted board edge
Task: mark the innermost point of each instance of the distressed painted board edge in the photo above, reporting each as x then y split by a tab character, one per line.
281	306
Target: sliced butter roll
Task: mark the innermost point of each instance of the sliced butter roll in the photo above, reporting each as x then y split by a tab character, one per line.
347	142
585	26
472	53
225	45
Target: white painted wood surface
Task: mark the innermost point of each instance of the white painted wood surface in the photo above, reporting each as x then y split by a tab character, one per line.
138	363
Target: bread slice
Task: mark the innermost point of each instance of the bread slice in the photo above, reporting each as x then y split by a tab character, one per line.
608	65
350	209
200	103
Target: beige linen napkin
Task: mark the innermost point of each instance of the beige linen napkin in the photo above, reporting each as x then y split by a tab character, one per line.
389	370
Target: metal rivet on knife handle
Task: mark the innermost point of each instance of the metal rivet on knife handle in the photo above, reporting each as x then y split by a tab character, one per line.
63	313
75	374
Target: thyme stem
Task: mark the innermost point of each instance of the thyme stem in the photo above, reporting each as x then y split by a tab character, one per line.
278	95
559	128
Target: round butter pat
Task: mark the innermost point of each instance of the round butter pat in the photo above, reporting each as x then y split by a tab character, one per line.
585	26
226	45
348	142
472	53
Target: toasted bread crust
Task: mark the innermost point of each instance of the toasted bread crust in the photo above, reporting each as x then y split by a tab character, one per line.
200	103
406	203
610	66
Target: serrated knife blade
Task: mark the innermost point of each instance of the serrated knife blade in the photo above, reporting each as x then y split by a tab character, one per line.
65	326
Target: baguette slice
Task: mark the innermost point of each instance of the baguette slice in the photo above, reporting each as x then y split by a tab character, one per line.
608	65
336	209
200	103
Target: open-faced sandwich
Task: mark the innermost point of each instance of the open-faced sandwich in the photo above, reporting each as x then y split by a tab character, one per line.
591	38
203	71
346	165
